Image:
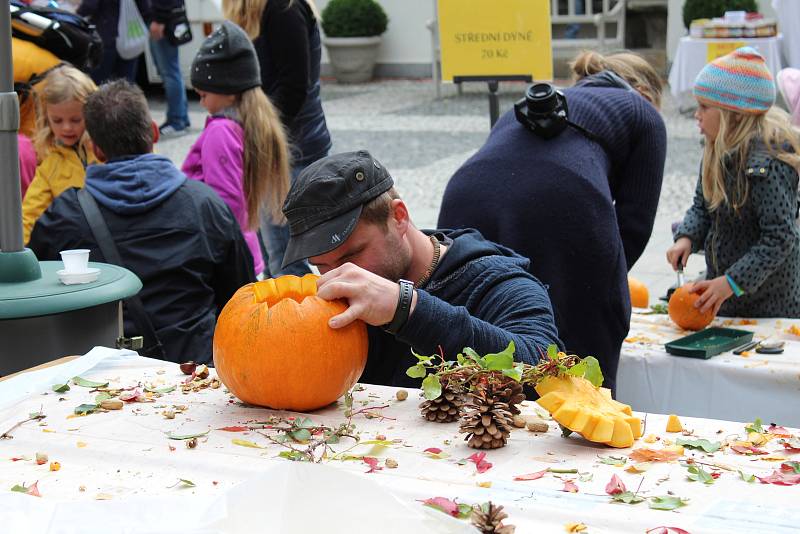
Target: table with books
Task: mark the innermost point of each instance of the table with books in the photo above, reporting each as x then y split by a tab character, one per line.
186	456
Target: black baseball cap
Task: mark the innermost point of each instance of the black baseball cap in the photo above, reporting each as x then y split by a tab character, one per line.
326	199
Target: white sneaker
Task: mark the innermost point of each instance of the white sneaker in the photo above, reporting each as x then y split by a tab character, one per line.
170	132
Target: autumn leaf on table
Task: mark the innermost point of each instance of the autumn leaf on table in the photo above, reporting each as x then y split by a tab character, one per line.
698	474
615	486
791	445
234	429
78	381
791	467
747	449
480	464
435	453
133	396
666	530
531	476
653	455
617	461
778	431
372	463
627	497
667	502
32	490
246	443
575	527
781	478
702	444
569	487
443	504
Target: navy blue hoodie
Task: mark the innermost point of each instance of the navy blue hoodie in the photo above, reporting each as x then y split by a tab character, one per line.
480	296
175	234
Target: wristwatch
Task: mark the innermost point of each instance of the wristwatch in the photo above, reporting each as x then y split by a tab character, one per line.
403	307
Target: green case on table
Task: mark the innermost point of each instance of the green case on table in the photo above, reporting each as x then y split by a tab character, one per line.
708	342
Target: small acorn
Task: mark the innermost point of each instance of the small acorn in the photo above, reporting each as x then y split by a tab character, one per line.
188	368
191	443
401	394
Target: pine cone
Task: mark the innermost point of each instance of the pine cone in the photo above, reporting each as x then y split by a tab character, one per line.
445	408
489	519
510	392
487	421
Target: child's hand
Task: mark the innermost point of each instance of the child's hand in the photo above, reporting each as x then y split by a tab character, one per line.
679	252
712	293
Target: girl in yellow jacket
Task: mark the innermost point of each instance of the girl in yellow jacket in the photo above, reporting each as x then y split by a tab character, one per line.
62	144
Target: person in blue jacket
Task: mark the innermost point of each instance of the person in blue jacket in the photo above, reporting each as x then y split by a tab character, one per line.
415	289
580	206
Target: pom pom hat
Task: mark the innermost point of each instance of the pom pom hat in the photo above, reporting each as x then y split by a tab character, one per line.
739	81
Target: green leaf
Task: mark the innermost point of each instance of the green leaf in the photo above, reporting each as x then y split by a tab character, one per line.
464	510
628	497
100	397
585	477
704	444
666	502
84	409
794	466
552	351
186	483
431	387
472	355
755	427
61	388
301	435
514	373
417	371
305	422
747	478
500	361
20	489
78	381
246	443
698	474
617	461
461	359
348	400
165	389
170	435
588	368
422	359
295	456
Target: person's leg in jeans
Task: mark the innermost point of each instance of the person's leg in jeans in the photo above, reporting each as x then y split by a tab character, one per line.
165	55
105	70
573	29
276	238
126	68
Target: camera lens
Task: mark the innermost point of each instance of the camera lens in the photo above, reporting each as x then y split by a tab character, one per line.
542	98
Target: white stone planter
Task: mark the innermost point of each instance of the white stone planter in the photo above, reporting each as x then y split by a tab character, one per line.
352	58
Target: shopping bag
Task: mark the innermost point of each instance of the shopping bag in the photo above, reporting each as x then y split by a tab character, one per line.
132	34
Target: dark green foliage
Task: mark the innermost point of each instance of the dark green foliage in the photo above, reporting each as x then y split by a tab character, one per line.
354	18
707	9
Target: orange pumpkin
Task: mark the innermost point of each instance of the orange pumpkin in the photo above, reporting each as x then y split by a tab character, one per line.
273	346
640	296
684	314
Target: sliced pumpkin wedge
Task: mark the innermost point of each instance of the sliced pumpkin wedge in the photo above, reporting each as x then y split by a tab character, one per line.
588	410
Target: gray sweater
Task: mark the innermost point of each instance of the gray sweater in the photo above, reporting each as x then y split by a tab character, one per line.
759	247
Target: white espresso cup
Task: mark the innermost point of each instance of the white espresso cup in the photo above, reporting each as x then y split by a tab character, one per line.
75	261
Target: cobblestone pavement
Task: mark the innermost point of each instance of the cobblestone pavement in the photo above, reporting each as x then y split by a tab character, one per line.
422	141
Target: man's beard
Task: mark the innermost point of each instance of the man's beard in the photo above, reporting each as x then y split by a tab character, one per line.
397	262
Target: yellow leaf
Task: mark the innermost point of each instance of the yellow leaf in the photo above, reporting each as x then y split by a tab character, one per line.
81	444
651	438
774	458
486	484
103	496
55	466
48	430
575	527
245	443
638	468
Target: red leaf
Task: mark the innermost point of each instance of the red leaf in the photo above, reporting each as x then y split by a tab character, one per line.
531	476
444	504
715	474
433	450
779	431
781	479
130	396
234	428
666	530
480	464
34	489
16	459
570	487
741	449
792	445
615	486
372	463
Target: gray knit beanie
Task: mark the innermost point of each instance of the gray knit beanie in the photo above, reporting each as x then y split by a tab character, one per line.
226	62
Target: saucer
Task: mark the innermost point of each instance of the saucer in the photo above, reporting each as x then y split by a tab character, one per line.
89	275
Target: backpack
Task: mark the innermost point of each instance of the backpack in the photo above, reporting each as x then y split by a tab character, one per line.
67	35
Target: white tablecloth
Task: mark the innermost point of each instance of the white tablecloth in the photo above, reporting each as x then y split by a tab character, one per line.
735	388
788	12
120	472
691	55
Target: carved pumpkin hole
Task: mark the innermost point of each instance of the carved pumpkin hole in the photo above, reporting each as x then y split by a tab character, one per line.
274	290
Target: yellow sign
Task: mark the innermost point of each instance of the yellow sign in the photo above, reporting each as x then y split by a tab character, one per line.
486	38
715	49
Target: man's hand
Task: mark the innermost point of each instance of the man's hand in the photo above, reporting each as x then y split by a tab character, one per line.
371	298
679	252
712	293
156	31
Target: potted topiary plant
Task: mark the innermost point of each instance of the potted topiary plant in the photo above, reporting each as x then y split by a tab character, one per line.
352	37
707	9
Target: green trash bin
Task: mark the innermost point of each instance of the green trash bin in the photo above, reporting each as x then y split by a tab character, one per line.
43	319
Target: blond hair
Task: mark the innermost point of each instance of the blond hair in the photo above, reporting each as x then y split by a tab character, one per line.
266	156
737	132
629	66
62	84
248	13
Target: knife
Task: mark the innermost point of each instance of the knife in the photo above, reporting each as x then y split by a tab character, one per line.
743	348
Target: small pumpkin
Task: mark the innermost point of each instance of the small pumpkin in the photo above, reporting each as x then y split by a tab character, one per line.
684	314
578	405
273	346
640	296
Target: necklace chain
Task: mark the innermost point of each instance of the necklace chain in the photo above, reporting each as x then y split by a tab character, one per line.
434	263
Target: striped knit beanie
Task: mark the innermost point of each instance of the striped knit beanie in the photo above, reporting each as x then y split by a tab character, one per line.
739	81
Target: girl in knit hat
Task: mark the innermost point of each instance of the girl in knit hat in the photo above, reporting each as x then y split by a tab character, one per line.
242	153
745	207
